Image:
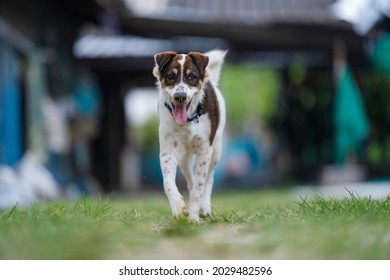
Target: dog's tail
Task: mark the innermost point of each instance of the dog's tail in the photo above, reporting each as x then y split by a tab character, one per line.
216	58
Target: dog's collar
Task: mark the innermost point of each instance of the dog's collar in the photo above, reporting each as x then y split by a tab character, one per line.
199	112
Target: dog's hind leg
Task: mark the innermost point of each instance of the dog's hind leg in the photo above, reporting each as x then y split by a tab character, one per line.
205	207
196	194
169	167
186	169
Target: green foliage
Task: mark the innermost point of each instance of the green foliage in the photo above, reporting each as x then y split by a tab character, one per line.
251	91
376	88
147	136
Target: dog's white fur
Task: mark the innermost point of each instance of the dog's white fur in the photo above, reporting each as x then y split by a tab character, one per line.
189	147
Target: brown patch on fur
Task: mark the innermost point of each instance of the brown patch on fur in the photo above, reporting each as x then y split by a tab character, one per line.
200	61
210	106
195	69
167	65
162	60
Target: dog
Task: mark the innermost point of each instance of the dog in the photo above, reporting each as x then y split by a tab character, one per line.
192	117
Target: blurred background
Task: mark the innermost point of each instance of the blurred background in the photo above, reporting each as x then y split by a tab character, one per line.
306	82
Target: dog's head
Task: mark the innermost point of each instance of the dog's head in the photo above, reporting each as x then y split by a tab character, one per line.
181	78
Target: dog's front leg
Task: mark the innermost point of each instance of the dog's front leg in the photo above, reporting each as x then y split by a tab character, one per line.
168	164
202	167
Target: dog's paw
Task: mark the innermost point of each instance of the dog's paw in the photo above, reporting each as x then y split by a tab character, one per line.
205	211
183	212
194	218
179	209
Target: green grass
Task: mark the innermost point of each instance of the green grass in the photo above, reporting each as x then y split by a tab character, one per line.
244	225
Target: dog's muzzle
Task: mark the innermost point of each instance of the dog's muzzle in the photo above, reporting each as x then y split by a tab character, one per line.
180	97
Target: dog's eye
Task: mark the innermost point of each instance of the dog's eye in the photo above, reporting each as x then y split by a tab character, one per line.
171	76
192	79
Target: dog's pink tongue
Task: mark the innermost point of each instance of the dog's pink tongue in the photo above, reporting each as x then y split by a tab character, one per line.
180	114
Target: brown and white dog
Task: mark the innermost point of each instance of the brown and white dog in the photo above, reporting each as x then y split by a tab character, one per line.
192	119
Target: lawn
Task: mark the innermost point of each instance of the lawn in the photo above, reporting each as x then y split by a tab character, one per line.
245	225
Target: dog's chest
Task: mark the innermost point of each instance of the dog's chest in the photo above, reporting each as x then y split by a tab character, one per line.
191	139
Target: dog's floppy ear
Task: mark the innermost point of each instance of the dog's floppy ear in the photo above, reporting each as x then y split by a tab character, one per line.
163	58
200	61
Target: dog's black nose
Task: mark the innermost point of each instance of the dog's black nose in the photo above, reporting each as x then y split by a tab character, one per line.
180	97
